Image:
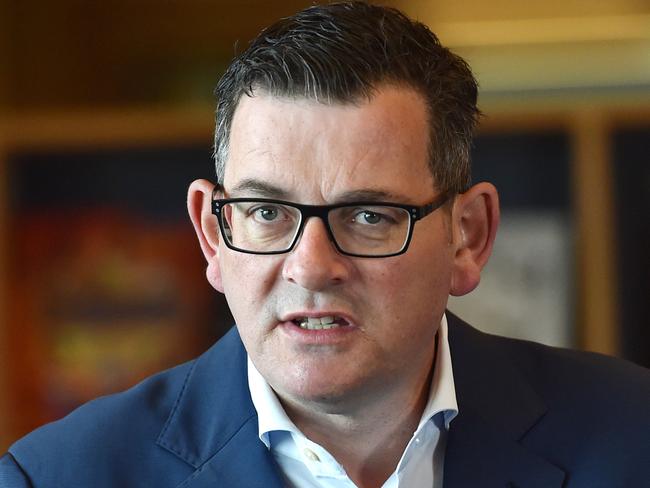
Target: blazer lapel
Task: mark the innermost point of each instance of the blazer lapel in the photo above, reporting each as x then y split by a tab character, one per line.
477	455
497	407
213	425
243	461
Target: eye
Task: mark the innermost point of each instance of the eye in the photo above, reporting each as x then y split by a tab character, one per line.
374	216
368	217
267	213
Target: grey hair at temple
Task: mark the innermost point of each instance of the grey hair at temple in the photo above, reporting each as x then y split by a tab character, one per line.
343	52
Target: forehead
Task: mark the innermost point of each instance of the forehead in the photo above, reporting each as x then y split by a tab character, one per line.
316	151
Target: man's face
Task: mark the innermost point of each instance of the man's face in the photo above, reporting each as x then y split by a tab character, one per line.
388	309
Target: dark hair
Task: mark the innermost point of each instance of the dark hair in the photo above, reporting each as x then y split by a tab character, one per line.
343	52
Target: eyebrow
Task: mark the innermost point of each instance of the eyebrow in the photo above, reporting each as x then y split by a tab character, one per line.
368	195
267	190
259	188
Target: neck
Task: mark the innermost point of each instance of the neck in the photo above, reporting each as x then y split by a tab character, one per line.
368	436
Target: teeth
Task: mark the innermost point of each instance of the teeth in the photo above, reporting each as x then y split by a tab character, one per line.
318	323
320	320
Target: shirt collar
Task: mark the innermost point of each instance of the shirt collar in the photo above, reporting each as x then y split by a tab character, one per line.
270	413
442	394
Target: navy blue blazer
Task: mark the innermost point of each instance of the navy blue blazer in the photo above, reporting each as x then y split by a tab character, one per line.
530	417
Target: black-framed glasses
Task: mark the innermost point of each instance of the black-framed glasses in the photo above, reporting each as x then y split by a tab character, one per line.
360	229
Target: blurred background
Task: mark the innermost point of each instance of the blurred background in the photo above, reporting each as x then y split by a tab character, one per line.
106	115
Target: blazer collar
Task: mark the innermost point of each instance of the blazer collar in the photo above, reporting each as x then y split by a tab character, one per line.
213	424
497	408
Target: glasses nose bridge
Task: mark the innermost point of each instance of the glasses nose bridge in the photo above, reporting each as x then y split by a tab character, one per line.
319	211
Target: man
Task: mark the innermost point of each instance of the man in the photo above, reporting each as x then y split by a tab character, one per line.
342	220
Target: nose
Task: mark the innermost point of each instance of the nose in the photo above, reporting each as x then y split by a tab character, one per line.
314	263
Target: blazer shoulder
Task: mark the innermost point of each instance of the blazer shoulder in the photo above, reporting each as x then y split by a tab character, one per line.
116	440
556	371
108	435
598	409
591	415
586	374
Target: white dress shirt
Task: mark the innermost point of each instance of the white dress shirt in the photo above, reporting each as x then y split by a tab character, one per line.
306	464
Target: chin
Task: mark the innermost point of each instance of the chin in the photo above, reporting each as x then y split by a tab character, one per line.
320	390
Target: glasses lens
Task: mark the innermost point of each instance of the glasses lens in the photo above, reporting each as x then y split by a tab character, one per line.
370	230
260	226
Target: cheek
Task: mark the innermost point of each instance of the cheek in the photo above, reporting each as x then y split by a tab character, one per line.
247	282
244	288
416	287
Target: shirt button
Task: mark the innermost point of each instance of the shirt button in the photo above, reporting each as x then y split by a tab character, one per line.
417	440
311	455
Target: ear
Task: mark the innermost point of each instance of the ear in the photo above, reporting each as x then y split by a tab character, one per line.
475	218
199	206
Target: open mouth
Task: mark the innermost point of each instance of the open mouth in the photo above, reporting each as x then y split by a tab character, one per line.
320	323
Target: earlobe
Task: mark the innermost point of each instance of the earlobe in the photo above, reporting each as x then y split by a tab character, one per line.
213	274
199	202
475	219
